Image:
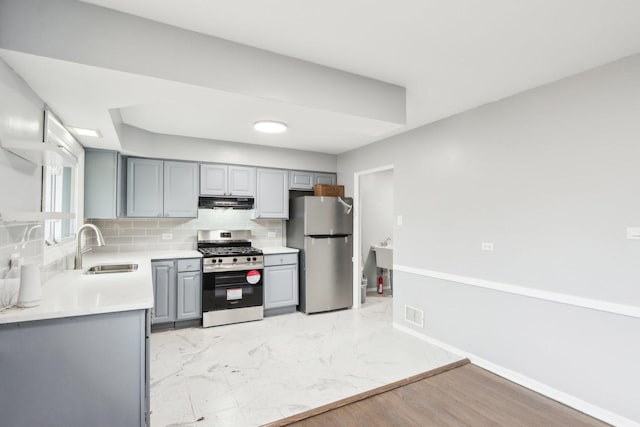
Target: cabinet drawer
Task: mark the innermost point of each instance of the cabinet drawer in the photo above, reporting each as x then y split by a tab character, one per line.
280	259
192	264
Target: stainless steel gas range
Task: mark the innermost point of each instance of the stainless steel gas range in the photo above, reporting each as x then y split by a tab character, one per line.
231	277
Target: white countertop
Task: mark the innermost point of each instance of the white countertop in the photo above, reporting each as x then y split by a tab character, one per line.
271	250
73	293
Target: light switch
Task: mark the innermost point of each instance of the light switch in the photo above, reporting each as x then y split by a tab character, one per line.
633	233
486	246
399	219
271	234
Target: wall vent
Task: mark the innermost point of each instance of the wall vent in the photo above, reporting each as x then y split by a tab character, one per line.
413	315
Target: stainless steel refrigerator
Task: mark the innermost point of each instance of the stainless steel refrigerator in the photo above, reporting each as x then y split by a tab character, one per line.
321	227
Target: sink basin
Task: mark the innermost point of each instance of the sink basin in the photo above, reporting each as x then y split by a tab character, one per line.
384	256
112	268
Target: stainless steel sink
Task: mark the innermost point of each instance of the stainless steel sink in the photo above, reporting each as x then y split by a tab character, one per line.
112	268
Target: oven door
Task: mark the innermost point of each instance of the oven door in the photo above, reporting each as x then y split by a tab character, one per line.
231	289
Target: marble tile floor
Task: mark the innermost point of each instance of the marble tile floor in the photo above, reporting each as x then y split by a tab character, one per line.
252	373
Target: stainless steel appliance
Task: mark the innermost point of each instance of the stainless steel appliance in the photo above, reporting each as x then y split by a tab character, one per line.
231	277
321	228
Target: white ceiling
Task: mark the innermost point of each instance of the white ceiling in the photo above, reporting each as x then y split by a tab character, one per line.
450	55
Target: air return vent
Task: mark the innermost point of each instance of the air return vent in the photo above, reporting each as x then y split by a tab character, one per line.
413	315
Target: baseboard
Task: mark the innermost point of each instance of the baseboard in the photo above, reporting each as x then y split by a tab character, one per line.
550	392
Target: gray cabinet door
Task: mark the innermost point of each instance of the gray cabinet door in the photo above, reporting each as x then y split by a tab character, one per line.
144	187
325	178
242	181
213	180
189	296
164	291
272	196
100	183
301	180
180	189
280	286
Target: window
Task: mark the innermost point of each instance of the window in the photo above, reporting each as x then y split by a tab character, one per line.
58	184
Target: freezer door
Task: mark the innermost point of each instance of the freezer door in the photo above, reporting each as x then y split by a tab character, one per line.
326	216
328	274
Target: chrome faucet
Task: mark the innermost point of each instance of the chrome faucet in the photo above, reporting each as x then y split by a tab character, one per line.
79	250
386	242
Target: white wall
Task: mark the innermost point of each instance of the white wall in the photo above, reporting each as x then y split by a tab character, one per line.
139	142
376	207
550	177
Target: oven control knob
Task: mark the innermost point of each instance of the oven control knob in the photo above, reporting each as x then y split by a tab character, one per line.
235	260
254	258
219	259
248	259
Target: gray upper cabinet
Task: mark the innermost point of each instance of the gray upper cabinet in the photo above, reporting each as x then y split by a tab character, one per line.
157	188
213	180
301	180
144	187
101	184
227	180
272	195
325	178
180	189
242	181
305	180
164	291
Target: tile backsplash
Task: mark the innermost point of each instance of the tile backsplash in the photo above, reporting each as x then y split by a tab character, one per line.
129	234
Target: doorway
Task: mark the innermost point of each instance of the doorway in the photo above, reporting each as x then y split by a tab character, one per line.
373	224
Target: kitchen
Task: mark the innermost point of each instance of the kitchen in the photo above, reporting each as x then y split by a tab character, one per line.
462	233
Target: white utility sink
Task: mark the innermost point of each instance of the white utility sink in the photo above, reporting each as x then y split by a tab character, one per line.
384	256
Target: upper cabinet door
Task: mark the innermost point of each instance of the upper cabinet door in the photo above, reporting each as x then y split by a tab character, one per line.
272	198
180	189
242	181
213	180
325	178
100	183
144	187
301	180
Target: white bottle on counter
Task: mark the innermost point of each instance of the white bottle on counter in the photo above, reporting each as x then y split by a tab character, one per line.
11	288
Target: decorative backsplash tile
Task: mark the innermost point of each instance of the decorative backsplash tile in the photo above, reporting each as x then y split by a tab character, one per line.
122	235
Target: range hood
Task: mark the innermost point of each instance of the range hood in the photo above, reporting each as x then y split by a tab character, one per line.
225	203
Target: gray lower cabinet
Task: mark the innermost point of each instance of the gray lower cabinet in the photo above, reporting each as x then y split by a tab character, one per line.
76	371
177	291
272	195
157	188
280	283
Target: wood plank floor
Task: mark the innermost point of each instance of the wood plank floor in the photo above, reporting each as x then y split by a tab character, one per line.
460	396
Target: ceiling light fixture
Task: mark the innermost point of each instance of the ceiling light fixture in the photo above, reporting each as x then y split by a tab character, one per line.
85	132
269	126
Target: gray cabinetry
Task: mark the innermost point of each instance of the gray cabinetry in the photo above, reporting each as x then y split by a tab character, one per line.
272	195
280	283
103	190
227	180
305	180
144	187
180	189
177	290
76	371
164	291
157	188
325	178
189	301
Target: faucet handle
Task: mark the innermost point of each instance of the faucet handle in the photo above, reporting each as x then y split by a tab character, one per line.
85	250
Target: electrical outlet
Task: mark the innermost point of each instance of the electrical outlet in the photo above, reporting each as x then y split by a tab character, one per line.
414	315
271	234
633	233
167	236
486	246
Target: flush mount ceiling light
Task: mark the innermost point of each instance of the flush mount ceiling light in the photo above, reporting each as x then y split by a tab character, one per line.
85	132
269	126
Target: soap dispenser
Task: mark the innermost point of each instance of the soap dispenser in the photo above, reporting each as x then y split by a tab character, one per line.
9	295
